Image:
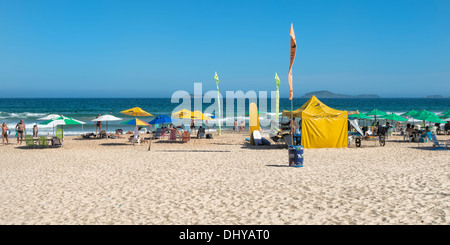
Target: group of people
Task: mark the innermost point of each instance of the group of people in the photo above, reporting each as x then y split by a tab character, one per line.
21	130
241	128
412	134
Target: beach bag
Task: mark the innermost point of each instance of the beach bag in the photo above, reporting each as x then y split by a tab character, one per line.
209	136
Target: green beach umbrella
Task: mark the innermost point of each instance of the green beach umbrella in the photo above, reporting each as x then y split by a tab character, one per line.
422	114
394	117
360	116
445	112
445	115
62	120
431	118
376	113
409	113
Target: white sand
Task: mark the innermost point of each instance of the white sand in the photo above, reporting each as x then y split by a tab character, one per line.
223	181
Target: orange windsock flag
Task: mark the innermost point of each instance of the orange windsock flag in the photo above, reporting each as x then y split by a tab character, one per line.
293	50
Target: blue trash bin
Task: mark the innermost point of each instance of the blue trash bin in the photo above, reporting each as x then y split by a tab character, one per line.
295	155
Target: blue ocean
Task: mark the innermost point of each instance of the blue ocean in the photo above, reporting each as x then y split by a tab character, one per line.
31	109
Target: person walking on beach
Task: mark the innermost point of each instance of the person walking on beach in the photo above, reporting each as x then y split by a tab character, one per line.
4	133
21	129
242	125
98	125
235	127
35	131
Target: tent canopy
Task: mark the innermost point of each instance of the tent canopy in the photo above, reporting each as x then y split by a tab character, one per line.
322	126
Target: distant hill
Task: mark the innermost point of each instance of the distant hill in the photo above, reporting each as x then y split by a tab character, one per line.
328	94
434	96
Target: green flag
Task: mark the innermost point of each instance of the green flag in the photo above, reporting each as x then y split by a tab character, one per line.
218	97
277	105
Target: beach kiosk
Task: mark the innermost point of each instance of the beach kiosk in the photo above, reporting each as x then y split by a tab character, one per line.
322	126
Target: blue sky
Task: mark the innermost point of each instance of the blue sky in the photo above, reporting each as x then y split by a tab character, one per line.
397	48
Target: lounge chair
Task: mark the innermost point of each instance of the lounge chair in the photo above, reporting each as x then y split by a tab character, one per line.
43	141
29	141
186	136
157	134
437	145
59	134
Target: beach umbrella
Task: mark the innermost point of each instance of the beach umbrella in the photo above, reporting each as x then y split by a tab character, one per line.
161	119
184	113
360	116
200	116
136	112
62	120
376	113
394	117
49	117
106	118
445	115
431	118
136	122
445	112
409	113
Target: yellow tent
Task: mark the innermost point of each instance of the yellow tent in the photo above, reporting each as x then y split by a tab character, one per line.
322	126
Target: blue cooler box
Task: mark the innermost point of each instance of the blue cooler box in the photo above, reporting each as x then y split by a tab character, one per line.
295	155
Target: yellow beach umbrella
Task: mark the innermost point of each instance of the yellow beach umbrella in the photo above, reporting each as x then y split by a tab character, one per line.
185	113
136	112
199	115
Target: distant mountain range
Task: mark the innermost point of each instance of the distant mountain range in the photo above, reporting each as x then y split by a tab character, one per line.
435	96
328	94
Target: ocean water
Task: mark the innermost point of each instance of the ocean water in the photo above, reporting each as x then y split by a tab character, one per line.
12	110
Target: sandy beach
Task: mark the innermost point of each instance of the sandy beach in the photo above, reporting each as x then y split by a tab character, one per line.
223	181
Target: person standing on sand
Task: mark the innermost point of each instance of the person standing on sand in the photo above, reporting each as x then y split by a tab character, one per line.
98	125
4	133
242	125
21	129
35	131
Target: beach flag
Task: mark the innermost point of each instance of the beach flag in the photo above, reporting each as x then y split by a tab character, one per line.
277	103
293	50
218	97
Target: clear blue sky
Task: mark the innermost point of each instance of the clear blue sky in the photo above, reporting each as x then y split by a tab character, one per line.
89	48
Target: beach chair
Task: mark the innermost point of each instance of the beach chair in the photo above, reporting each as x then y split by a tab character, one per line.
437	145
157	134
186	137
59	134
43	141
29	141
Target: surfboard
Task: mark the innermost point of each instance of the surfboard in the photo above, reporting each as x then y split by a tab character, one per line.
254	121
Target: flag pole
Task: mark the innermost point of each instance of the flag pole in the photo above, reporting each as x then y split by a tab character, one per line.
218	97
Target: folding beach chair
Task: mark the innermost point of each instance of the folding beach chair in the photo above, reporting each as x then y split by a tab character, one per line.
29	141
186	136
43	141
437	145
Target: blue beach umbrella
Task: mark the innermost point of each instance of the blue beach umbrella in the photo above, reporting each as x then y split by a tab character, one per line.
161	119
